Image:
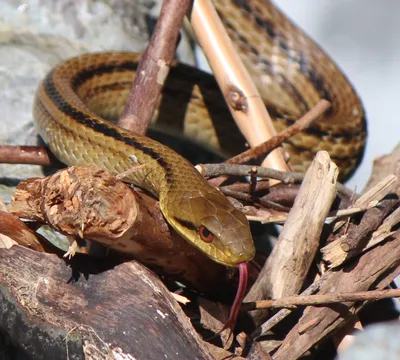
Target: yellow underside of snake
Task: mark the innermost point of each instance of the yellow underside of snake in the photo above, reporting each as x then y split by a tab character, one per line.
291	73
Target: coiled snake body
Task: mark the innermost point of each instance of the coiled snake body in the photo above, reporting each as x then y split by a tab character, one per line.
291	73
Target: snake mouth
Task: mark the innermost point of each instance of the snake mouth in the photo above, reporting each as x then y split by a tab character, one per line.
224	255
244	258
227	258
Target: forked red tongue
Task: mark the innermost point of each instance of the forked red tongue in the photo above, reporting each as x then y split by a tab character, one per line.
237	303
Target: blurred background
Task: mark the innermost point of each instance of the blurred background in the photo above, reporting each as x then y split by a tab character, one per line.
362	36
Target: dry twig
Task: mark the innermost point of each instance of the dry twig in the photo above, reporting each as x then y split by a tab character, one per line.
357	238
154	67
326	299
286	177
266	147
33	155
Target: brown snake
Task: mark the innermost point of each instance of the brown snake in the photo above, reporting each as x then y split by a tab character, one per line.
291	73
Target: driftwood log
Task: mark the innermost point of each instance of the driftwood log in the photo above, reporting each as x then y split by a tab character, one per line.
86	202
123	312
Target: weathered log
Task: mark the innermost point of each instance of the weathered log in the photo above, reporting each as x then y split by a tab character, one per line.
374	269
89	203
125	311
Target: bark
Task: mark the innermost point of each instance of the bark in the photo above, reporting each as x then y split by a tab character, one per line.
123	312
86	202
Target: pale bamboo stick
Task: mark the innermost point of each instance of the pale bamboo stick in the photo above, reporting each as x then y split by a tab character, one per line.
240	93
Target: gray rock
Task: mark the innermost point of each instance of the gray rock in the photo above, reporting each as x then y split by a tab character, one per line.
377	342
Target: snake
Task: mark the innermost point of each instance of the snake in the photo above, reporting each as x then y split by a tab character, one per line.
77	102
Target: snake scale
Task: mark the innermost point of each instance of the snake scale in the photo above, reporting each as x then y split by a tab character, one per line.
291	73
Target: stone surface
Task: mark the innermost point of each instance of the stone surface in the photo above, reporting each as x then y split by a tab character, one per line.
375	343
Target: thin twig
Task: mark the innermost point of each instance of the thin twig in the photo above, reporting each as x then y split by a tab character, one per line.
33	155
282	194
286	177
245	187
377	192
291	302
282	314
249	198
237	194
266	147
213	170
268	204
154	67
275	141
253	181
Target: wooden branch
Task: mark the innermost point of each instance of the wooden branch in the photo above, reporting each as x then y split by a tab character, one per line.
275	141
265	216
154	67
245	187
372	218
87	202
33	155
358	236
282	314
385	229
282	194
326	299
212	170
319	322
287	267
105	314
286	177
241	95
355	238
374	195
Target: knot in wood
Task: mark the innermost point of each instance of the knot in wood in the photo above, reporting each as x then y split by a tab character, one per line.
237	99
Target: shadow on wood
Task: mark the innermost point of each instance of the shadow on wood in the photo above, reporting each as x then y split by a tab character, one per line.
126	310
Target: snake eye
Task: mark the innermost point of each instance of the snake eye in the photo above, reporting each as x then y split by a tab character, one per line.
205	234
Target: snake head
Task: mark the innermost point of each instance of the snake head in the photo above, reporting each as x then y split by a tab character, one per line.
209	221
